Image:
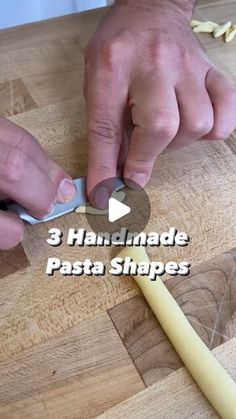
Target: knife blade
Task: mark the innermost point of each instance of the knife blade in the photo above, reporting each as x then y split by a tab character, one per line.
60	209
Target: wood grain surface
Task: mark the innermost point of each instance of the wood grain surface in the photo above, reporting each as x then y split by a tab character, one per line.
74	347
83	371
177	396
207	297
13	260
22	100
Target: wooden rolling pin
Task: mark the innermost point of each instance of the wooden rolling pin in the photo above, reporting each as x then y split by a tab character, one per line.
216	384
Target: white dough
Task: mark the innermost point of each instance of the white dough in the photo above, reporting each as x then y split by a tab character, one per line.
88	209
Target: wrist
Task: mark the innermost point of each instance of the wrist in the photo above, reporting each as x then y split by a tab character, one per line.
185	6
171	7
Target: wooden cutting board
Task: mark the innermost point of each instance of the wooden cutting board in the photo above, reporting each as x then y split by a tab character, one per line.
74	347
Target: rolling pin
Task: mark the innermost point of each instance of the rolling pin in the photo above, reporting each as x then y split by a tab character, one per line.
213	380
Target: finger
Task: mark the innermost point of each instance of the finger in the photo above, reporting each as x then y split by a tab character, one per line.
223	97
196	113
123	151
127	133
156	119
12	230
106	100
16	137
22	181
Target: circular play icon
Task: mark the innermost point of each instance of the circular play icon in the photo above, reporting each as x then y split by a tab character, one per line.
127	209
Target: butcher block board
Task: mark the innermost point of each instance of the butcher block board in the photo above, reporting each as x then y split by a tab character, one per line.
79	347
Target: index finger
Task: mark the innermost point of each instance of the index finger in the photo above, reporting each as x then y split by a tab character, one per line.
18	138
106	101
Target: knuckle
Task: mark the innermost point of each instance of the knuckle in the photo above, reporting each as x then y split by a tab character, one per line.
199	126
156	51
25	141
165	126
111	51
13	165
158	48
108	130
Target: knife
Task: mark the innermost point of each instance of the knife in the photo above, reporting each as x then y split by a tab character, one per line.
60	209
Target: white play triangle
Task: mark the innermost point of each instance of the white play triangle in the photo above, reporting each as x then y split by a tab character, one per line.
117	210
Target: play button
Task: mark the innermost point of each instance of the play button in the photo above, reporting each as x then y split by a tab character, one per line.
117	210
131	213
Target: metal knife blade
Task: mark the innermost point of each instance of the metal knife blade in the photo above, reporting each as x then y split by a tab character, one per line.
60	209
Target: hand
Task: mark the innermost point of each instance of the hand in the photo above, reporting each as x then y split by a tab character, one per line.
30	178
144	61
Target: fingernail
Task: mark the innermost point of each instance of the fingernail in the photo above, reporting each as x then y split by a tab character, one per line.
139	178
101	197
66	191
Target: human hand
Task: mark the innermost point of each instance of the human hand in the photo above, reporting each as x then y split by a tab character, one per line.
30	178
144	61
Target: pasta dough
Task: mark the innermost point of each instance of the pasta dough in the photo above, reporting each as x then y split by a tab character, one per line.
227	29
213	380
88	209
207	27
230	34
